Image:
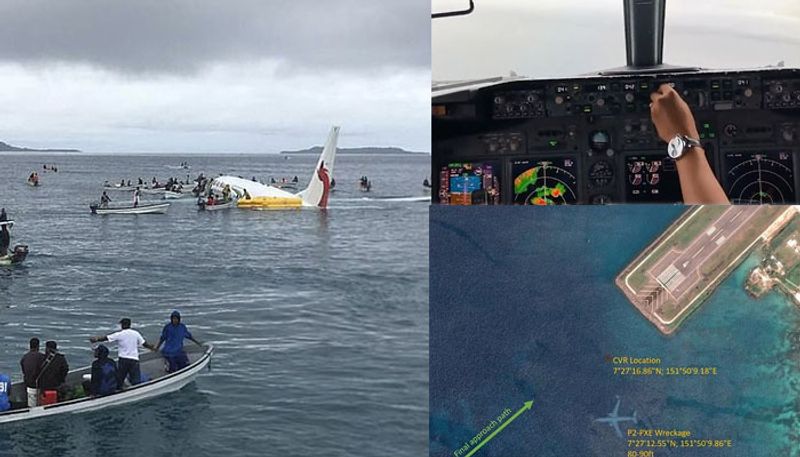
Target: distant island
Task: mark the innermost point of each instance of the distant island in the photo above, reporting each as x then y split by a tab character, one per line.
316	150
5	147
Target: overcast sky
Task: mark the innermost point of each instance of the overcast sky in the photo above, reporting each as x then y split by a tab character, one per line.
567	37
214	76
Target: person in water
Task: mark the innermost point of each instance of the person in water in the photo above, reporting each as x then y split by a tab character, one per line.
128	343
53	374
31	365
172	336
104	200
104	374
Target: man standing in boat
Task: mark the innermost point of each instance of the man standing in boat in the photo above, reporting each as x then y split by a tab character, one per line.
172	337
136	194
104	200
54	370
31	364
5	235
128	343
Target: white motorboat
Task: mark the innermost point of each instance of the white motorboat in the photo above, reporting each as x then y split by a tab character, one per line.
120	188
152	368
170	195
157	208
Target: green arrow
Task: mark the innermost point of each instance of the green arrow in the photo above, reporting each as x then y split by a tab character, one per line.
528	405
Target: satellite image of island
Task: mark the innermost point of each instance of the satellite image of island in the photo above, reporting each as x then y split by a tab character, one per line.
536	349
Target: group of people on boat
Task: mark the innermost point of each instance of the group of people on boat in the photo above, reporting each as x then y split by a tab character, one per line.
34	178
365	184
45	374
284	182
172	184
212	200
52	168
105	199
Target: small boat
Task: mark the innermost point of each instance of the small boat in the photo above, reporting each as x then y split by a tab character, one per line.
152	368
157	208
120	188
153	191
202	206
170	195
16	256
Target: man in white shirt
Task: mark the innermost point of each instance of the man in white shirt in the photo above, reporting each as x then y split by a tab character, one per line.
128	343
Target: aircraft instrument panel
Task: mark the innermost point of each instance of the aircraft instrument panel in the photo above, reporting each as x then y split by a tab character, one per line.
590	140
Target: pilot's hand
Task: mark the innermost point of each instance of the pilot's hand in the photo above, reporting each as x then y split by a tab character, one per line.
671	115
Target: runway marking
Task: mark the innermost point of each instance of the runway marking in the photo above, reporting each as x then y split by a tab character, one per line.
627	277
723	270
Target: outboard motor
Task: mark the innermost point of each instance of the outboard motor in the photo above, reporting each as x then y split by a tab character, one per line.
20	253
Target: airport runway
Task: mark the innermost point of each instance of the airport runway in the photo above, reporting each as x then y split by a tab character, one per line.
679	271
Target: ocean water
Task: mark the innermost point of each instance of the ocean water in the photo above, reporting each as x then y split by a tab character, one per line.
524	306
319	318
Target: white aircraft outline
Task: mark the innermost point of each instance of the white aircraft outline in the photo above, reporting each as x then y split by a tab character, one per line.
613	419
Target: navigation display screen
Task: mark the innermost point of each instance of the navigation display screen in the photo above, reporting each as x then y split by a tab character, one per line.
469	183
761	177
652	178
544	181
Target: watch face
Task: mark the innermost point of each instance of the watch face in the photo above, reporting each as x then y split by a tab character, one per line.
675	147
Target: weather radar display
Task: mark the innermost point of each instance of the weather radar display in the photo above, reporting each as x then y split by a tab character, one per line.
544	182
469	183
760	178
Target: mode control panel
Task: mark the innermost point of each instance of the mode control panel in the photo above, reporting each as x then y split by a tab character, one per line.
590	140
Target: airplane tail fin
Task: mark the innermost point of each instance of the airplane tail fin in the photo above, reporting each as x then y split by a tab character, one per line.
316	194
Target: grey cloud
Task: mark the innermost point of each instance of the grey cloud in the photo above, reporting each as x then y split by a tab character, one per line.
182	36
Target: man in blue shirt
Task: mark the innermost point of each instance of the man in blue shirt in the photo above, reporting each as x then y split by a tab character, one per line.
172	337
5	386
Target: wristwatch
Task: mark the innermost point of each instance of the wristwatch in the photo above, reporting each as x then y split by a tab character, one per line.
678	145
